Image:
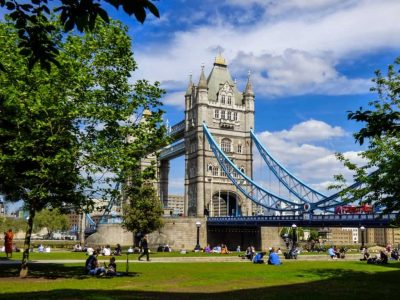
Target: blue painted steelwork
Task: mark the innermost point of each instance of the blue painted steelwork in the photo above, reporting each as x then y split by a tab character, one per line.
298	188
247	186
308	220
294	185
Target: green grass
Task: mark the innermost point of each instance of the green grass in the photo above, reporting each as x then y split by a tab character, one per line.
292	280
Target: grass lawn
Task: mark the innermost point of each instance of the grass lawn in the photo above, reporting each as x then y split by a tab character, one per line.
292	280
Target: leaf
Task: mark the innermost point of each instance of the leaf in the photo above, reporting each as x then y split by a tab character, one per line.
153	9
103	14
10	5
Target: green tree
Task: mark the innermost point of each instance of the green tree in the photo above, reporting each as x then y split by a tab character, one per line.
16	224
35	32
381	128
63	131
143	212
53	220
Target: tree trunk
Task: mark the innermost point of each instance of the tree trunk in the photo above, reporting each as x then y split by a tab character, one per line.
27	245
82	229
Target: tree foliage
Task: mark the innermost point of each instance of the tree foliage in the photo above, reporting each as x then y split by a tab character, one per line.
144	210
31	18
381	127
16	224
63	133
51	219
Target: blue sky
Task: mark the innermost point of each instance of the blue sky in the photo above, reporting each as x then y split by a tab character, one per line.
311	62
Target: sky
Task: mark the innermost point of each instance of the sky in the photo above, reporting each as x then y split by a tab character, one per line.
311	62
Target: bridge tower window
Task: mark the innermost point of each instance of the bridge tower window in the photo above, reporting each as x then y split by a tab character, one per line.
226	145
216	114
223	99
235	116
229	100
222	114
239	148
215	171
229	115
210	168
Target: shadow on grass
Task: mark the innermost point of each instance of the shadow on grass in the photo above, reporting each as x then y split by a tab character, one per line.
51	271
336	284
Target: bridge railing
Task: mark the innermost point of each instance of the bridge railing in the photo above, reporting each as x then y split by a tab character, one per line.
306	217
179	127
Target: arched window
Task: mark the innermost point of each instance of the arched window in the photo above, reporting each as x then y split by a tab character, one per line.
210	168
242	170
215	171
226	145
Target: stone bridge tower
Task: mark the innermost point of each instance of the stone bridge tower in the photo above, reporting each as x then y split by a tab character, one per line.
229	115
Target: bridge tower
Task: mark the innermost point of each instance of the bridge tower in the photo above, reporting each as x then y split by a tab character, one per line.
229	114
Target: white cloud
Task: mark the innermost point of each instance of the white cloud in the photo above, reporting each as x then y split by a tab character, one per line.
291	54
311	130
312	164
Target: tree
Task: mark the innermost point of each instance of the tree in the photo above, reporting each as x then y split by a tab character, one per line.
143	213
35	32
380	175
52	220
61	131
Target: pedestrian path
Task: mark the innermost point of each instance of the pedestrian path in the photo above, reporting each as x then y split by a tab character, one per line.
188	259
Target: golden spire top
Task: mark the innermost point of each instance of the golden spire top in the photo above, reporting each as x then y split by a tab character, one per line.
219	59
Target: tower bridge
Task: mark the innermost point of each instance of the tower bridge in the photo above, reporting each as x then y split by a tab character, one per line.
217	140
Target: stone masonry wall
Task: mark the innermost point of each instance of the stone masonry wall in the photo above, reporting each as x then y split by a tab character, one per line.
179	233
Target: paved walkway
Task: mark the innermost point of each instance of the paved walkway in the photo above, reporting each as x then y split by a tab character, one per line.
188	259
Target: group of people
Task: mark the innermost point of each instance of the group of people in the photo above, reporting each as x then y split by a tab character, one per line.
222	249
273	257
93	267
334	253
105	251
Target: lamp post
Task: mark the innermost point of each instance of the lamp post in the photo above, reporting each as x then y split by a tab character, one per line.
362	228
294	228
198	225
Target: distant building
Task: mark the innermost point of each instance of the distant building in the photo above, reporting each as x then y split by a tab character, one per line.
175	204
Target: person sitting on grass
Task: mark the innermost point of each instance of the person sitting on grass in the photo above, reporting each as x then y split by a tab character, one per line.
331	253
274	258
92	266
112	267
258	258
118	250
207	249
224	249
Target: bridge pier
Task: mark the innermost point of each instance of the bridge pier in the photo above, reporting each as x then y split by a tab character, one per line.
163	181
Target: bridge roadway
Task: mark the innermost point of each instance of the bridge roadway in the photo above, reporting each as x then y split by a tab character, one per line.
307	220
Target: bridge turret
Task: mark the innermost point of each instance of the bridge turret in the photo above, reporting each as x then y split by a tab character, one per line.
188	94
248	101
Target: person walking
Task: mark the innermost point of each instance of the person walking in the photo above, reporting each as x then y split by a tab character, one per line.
145	248
8	242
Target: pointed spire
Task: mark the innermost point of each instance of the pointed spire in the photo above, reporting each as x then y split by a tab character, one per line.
202	81
249	87
190	85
